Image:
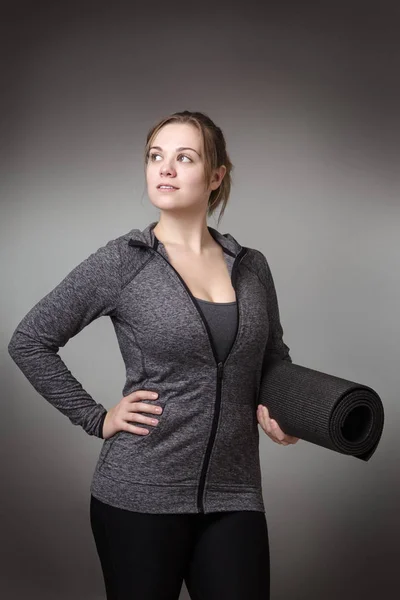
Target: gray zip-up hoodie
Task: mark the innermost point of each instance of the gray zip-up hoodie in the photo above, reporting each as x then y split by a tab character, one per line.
203	456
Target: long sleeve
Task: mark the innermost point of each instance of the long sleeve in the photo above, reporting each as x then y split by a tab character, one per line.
276	347
89	291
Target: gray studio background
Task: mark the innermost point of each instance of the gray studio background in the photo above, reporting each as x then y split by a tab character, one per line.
308	97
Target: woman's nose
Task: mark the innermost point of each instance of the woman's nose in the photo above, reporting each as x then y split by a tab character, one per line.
167	169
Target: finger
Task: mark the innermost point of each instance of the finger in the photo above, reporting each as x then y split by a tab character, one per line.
267	425
138	418
283	437
292	439
265	411
276	440
277	431
289	440
272	429
138	395
128	426
261	418
264	414
144	407
271	433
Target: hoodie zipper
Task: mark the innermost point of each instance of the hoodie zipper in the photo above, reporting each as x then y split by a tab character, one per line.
220	365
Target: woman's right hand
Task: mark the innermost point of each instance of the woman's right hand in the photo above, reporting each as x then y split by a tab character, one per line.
120	417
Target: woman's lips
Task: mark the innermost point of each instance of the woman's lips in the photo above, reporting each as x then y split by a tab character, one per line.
167	189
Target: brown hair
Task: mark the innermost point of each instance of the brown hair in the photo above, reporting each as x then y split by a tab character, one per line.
215	153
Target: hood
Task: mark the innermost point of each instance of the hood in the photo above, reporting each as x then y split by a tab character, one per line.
146	236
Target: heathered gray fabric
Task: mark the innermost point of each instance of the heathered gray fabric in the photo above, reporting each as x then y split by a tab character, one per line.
222	320
204	454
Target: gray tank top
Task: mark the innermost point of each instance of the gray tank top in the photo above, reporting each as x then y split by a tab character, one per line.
222	320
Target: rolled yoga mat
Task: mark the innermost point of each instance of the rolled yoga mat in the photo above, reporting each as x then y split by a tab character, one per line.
328	411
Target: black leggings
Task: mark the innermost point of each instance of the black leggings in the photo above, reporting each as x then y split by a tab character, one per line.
146	556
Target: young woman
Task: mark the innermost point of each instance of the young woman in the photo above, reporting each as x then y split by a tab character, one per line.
176	494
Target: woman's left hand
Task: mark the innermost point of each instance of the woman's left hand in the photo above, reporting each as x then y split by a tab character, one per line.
272	429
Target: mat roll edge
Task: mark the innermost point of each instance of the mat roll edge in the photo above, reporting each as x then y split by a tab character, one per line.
323	409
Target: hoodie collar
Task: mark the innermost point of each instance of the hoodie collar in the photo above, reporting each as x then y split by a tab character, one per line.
146	236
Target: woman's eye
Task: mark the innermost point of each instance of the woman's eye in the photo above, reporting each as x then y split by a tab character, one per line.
154	154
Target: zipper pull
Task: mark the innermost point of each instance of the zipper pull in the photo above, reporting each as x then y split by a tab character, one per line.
220	370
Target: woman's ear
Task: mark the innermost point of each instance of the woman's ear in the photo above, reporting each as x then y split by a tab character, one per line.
217	177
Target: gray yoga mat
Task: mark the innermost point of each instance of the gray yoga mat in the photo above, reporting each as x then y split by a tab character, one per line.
323	409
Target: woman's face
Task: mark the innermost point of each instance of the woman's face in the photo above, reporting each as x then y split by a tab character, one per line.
176	159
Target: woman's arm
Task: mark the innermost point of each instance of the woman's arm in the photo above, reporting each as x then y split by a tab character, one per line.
89	291
276	347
